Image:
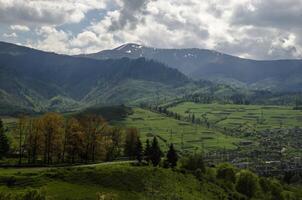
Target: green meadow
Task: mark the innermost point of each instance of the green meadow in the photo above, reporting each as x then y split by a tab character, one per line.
242	117
186	136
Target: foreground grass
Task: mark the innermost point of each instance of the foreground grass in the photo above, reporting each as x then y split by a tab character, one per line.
121	181
186	136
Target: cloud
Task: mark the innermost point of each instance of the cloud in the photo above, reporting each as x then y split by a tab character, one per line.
53	40
270	13
19	28
130	14
10	35
51	12
258	29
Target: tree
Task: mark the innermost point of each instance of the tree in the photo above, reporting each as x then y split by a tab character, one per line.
93	126
226	172
156	153
139	151
247	183
21	129
193	118
4	144
74	139
34	141
130	142
172	156
147	152
115	149
52	127
194	162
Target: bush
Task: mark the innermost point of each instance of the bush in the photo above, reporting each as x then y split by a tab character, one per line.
10	181
226	172
34	195
28	195
276	191
5	196
247	183
193	163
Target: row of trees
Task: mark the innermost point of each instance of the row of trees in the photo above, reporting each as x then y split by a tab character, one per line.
152	153
53	139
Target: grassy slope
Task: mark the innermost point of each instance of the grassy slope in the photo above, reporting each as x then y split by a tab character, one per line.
121	181
243	116
195	137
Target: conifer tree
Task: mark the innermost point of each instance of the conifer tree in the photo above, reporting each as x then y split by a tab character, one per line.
139	151
130	143
147	152
172	156
155	152
4	144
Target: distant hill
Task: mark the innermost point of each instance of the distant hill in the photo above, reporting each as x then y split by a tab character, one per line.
275	75
40	80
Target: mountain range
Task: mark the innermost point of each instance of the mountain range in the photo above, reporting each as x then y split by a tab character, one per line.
40	80
34	80
275	75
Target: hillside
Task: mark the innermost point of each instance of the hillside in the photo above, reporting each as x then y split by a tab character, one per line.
40	80
127	182
280	75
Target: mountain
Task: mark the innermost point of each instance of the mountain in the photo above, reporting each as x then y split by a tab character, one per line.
37	80
275	75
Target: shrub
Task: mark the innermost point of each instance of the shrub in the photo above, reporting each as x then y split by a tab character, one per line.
194	162
247	183
34	195
226	172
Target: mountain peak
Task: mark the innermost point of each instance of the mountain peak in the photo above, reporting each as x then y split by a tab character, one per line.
128	46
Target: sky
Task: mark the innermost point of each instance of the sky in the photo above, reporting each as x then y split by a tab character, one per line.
256	29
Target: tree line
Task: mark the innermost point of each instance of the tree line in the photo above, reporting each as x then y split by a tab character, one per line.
53	139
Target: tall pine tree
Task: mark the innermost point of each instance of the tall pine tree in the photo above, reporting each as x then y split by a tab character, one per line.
172	157
139	151
4	144
130	143
147	152
155	152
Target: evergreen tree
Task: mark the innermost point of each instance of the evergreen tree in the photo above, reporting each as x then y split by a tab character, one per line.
193	118
139	151
147	152
155	152
4	144
130	143
172	157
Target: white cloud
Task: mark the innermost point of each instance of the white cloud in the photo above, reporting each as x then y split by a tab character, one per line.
259	29
53	40
19	28
10	35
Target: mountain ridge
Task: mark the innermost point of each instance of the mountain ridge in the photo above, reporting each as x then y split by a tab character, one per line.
211	65
40	80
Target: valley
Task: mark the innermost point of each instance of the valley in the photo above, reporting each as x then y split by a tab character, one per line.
116	125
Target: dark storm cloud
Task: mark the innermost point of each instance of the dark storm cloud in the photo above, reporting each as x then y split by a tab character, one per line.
129	14
50	12
20	13
270	13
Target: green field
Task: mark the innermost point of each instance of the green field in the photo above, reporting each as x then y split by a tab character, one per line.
242	117
115	181
184	135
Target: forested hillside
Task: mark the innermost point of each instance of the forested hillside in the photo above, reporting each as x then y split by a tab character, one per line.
39	80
